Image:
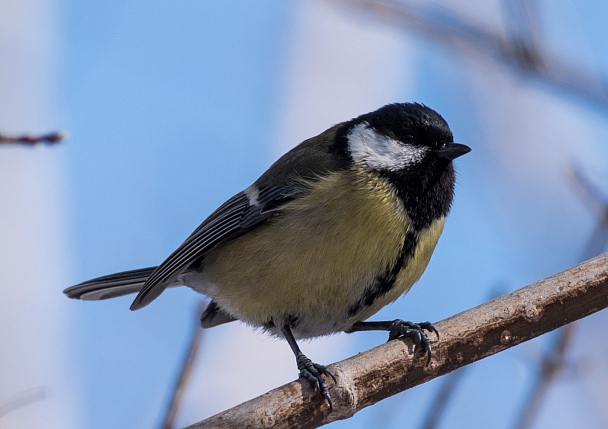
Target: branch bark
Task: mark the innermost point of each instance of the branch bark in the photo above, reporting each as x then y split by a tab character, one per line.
467	337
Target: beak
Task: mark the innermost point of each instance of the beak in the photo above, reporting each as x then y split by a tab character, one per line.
453	150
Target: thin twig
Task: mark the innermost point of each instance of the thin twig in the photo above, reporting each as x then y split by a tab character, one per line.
32	140
184	375
467	337
596	198
599	237
589	192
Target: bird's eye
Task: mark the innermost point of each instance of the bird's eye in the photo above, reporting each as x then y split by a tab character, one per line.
409	137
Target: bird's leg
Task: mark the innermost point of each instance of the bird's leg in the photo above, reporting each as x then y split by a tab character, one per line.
313	372
401	328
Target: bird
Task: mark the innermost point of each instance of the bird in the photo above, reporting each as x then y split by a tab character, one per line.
340	226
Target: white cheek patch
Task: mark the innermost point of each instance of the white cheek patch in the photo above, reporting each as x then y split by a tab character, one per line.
379	152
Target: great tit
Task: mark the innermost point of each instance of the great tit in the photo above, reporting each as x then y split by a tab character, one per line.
340	226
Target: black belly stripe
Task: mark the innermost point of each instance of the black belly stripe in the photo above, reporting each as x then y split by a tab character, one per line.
386	281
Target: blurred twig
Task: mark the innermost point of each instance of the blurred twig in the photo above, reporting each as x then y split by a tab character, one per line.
519	51
586	190
522	24
31	140
554	362
22	399
441	401
598	201
552	365
184	374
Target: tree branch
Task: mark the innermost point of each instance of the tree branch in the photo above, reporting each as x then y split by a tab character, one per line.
467	337
32	140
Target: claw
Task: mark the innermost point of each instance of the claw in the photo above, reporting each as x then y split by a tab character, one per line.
314	372
429	327
414	331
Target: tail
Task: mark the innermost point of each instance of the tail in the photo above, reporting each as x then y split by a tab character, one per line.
111	286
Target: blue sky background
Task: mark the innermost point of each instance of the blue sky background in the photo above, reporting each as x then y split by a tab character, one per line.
172	107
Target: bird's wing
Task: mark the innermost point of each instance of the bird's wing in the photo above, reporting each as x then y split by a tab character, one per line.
240	214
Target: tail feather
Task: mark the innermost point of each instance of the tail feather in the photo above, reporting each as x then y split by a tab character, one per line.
111	286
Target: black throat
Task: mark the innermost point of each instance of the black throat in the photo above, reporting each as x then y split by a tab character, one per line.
427	192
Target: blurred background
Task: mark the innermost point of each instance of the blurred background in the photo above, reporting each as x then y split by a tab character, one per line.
172	107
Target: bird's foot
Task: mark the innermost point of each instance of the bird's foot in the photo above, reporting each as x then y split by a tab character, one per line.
314	373
415	332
